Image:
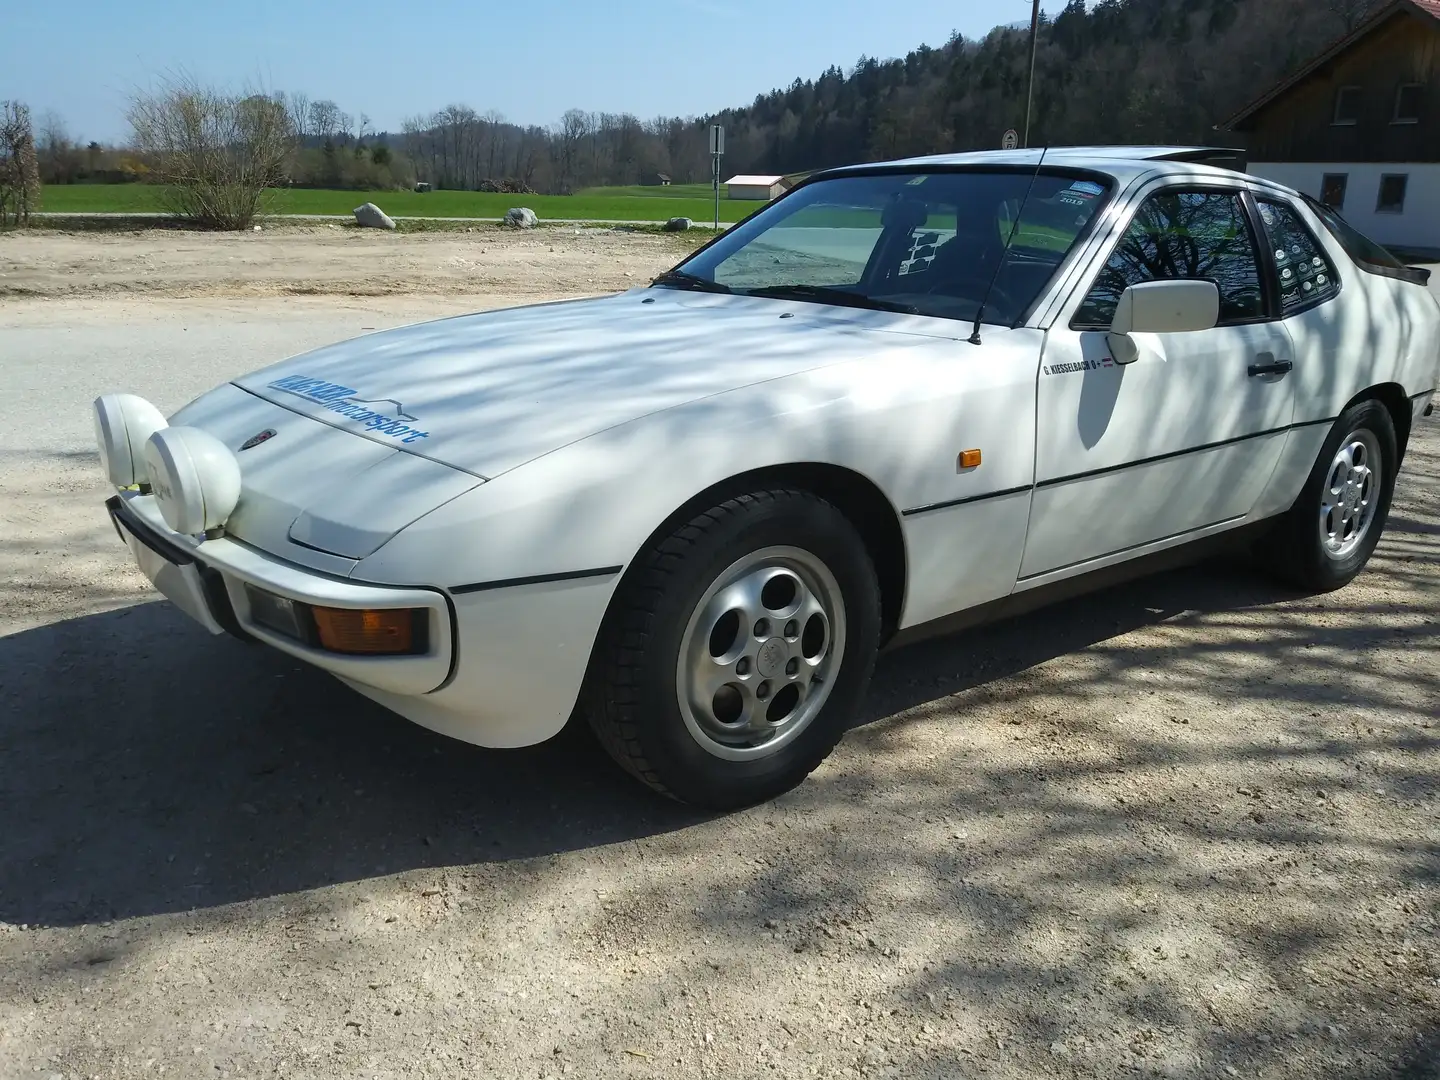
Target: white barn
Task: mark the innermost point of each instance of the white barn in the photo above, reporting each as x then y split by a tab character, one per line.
761	188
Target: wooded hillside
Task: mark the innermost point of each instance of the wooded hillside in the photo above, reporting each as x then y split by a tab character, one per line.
1125	71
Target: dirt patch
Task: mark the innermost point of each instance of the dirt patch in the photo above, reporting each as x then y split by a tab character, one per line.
332	260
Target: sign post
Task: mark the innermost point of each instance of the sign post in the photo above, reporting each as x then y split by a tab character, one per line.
717	151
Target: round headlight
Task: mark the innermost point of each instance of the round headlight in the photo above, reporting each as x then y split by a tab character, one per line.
195	478
122	424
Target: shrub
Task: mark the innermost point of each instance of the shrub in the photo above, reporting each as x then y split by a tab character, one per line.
215	153
19	166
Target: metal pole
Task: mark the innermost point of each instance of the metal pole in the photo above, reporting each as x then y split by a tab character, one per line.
1030	90
715	176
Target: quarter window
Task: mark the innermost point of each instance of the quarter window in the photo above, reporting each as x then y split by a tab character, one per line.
1179	235
1392	194
1307	277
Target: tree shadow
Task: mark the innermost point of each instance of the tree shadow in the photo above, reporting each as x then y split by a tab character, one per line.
153	769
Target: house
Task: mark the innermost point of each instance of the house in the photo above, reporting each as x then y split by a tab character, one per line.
1359	126
762	188
657	179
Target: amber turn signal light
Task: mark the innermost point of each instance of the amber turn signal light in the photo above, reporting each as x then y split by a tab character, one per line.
969	459
349	630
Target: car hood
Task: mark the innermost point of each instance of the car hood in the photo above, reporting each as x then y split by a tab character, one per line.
487	392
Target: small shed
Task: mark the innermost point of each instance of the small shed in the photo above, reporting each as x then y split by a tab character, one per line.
659	179
760	188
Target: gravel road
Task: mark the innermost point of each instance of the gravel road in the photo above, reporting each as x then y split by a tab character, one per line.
1184	828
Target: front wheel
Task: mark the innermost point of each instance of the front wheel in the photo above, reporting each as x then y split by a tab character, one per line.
737	650
1327	537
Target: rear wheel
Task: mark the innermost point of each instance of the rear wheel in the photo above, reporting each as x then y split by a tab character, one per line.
1327	537
738	650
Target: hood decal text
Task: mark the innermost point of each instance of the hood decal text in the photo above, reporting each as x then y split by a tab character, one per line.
345	401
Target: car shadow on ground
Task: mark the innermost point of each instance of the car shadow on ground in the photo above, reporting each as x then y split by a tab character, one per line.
150	768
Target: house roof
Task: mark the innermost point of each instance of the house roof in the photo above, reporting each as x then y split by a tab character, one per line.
762	181
1424	8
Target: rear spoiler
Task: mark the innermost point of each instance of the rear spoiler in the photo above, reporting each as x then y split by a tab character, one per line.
1221	157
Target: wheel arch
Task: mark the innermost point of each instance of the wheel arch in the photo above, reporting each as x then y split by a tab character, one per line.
1397	404
853	494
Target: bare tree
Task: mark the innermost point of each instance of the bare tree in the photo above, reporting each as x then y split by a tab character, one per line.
19	168
324	119
298	105
58	156
217	154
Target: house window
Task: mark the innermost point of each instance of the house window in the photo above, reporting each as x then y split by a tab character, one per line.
1347	106
1392	194
1407	104
1332	190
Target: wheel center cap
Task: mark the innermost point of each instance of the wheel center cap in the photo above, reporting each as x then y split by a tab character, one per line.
770	661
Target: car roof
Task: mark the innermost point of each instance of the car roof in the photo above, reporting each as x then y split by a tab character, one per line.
1125	163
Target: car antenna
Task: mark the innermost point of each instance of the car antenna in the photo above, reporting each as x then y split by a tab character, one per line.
1014	228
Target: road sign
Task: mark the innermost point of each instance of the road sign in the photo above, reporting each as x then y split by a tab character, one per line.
1010	140
717	139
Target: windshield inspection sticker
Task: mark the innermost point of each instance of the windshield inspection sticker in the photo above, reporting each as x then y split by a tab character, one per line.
1086	187
344	400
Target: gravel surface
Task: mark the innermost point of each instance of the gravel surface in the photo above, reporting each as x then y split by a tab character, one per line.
332	260
1183	828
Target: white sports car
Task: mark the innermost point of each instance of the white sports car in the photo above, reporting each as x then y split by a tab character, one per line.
899	397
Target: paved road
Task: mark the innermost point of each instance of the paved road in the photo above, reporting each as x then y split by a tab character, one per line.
1174	829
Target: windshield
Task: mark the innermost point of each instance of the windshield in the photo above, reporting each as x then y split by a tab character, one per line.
928	243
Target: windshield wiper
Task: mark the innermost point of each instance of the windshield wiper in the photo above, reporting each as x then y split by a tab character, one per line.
824	295
679	279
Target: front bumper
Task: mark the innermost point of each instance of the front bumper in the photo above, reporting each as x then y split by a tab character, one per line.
206	580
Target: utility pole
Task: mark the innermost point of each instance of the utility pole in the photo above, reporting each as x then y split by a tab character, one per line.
1030	90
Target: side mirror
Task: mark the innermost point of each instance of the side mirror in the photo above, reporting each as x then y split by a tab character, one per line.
1161	307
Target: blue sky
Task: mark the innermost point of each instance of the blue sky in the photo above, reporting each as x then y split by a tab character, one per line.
531	61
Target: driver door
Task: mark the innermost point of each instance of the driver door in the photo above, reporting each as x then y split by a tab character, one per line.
1183	440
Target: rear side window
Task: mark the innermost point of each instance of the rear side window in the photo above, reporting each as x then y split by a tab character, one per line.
1307	277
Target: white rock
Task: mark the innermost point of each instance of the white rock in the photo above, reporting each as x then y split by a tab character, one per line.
679	224
522	217
372	217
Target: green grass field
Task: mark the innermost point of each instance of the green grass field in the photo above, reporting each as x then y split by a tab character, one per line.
600	204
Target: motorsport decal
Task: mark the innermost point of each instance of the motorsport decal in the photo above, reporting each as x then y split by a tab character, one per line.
344	400
1080	365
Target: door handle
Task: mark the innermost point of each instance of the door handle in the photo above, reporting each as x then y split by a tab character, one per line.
1268	365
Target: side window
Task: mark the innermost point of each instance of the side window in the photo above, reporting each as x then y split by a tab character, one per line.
1184	234
1307	276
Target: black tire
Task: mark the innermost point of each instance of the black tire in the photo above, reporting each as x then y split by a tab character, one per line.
1293	551
631	698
